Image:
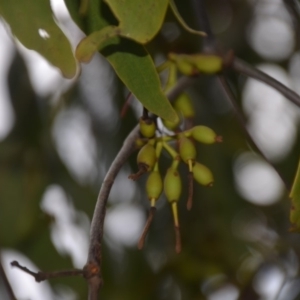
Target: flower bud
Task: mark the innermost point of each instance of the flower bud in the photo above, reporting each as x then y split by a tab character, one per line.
147	156
202	174
187	149
146	159
209	64
183	63
171	125
172	185
147	127
205	135
184	106
154	186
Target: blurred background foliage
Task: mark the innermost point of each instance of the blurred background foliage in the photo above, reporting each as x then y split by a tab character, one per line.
54	156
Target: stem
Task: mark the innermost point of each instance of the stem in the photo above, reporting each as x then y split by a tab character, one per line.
189	203
231	99
242	67
174	154
146	228
126	104
41	276
178	239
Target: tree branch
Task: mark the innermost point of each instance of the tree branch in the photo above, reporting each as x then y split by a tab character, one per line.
41	276
93	265
242	67
231	99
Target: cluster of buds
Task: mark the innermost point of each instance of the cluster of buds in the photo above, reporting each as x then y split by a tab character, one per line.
151	147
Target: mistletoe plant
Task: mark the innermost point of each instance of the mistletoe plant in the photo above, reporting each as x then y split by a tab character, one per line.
119	30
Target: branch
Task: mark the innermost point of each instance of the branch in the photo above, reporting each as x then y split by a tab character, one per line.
231	99
93	265
242	67
41	276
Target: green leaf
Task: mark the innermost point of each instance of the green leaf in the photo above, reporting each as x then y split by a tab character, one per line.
32	22
136	69
140	20
295	197
131	61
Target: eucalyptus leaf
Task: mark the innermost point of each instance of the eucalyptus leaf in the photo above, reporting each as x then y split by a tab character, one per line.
140	20
136	69
32	23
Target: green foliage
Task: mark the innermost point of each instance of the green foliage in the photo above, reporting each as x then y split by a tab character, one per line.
29	20
130	60
140	20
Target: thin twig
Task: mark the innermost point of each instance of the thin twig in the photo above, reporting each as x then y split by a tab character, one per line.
93	265
242	67
7	285
231	99
177	239
146	228
41	276
126	105
189	203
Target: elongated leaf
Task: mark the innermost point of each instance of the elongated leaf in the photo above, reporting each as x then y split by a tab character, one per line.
140	20
130	60
136	69
31	21
295	197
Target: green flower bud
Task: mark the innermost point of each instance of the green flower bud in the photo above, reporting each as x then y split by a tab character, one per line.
184	106
172	185
202	174
171	125
185	67
183	63
210	64
187	150
147	157
205	135
147	127
154	186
